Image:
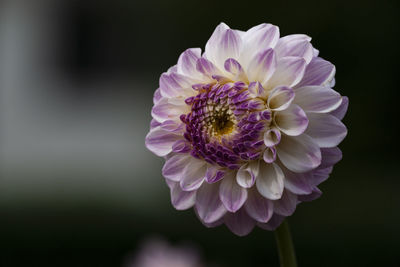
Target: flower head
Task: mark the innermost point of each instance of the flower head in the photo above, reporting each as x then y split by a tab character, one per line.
249	128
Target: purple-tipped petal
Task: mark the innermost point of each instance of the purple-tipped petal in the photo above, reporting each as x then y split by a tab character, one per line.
258	207
231	194
296	47
208	205
233	66
280	98
313	196
181	200
289	71
174	166
342	109
317	99
214	174
318	72
239	222
206	67
262	66
272	137
160	141
246	175
326	130
187	62
293	121
269	155
270	181
299	153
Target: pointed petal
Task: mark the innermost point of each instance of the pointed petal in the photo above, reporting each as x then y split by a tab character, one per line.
313	196
262	66
293	121
317	99
298	183
299	153
296	47
258	207
319	72
208	206
326	130
270	181
160	141
239	222
181	200
187	62
174	166
212	45
330	156
289	72
273	223
193	175
231	194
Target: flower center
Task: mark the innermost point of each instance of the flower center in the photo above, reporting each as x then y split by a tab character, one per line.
225	124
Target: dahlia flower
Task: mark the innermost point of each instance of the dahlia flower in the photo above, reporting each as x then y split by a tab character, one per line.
249	128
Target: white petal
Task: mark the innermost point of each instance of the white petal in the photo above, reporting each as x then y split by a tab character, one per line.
208	205
193	175
326	130
231	194
289	72
269	155
297	45
280	98
160	141
247	174
187	62
270	181
169	109
212	45
317	99
292	121
299	153
262	66
175	165
257	39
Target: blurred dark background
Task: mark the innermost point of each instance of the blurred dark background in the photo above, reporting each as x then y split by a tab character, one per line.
78	187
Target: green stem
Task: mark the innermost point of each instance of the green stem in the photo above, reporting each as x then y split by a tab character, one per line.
287	256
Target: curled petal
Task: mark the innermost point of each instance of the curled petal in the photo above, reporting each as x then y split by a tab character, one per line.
231	194
299	153
326	130
160	141
270	181
269	155
280	98
256	89
247	174
317	99
272	137
292	121
239	222
181	200
208	205
258	207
